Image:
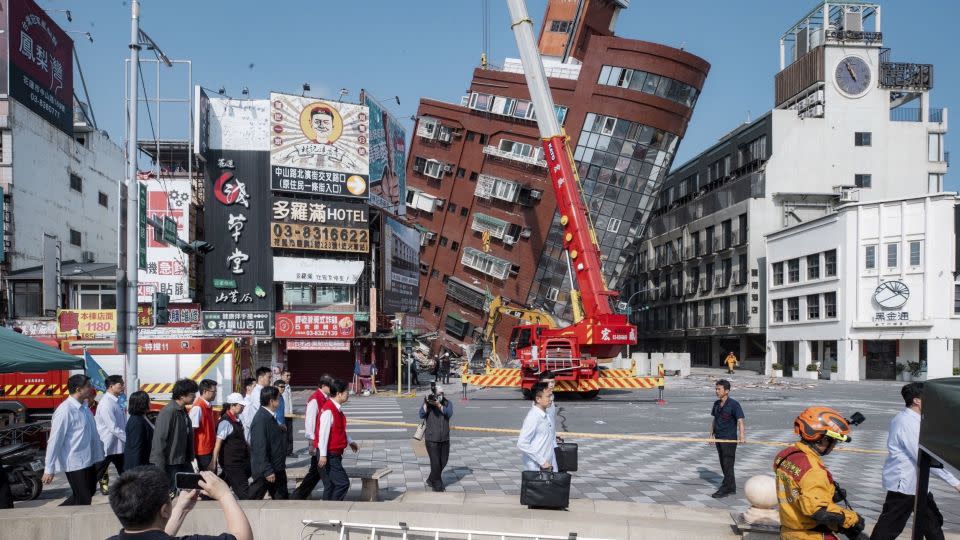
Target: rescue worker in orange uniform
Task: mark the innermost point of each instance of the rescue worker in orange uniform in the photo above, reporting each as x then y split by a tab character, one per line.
806	490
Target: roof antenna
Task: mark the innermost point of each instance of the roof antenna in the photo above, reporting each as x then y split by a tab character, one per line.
748	116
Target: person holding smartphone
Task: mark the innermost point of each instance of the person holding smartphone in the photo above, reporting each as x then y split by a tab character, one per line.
140	500
436	412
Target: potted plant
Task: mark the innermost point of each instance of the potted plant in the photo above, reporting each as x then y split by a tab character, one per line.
914	368
902	374
834	372
777	368
812	370
956	372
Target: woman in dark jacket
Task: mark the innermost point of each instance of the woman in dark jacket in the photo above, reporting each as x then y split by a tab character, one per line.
139	431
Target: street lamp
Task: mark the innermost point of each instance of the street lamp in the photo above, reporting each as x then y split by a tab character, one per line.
87	34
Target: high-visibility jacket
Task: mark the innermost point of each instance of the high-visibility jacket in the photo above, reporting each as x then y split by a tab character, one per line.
204	437
805	488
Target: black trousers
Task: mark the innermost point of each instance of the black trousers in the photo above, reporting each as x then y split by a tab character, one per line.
338	483
82	484
439	453
203	462
277	489
6	496
238	479
288	422
896	511
309	482
116	459
728	456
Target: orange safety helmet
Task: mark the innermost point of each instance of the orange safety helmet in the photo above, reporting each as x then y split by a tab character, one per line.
815	423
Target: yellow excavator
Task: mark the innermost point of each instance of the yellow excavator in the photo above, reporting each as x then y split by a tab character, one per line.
499	307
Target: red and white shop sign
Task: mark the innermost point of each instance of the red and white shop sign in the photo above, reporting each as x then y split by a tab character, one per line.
314	325
318	344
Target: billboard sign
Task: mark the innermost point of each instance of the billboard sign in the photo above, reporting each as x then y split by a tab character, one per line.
320	225
239	269
388	156
314	325
237	323
41	63
318	147
330	271
181	315
318	344
167	268
87	323
401	259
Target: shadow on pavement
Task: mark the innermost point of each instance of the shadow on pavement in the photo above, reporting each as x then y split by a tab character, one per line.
710	476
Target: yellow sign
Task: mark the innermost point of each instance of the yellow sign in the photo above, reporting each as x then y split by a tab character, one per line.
319	237
87	323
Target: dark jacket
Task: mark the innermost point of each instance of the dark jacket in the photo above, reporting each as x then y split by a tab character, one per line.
172	437
438	421
268	445
136	452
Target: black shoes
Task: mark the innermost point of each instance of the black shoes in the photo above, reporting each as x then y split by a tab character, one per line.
721	493
436	486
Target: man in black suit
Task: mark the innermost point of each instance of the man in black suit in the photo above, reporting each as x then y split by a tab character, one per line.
268	449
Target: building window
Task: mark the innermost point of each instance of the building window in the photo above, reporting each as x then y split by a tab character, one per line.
863	180
92	296
76	183
473	176
934	183
915	253
471	135
793	270
935	148
778	311
613	225
104	201
830	263
437	310
863	138
793	309
452	208
813	306
455	246
560	26
813	266
483	139
443	241
434	273
892	255
870	257
464	211
427	304
27	299
778	273
830	305
75	237
649	83
485	263
460	172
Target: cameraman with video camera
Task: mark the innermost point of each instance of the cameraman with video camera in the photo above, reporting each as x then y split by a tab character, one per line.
436	413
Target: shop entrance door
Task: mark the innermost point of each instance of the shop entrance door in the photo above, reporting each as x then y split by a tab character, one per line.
881	359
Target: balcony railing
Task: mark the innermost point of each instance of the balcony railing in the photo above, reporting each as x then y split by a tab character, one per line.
915	114
503	154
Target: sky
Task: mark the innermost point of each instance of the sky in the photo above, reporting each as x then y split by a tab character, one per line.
428	48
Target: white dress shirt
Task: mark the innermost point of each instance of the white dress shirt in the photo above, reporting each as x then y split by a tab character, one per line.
310	418
288	402
326	423
250	410
224	429
538	437
74	443
903	442
111	424
196	413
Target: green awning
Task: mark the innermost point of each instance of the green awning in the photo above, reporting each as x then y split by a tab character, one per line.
25	354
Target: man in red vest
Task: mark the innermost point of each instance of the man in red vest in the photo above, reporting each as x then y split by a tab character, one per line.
311	427
204	426
332	441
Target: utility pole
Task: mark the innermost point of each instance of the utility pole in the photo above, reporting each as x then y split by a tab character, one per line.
133	209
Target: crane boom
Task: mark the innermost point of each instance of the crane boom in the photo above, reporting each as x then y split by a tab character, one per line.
602	331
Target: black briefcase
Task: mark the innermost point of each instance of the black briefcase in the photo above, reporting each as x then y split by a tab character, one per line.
545	489
566	456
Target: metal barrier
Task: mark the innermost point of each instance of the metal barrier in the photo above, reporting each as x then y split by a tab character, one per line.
403	529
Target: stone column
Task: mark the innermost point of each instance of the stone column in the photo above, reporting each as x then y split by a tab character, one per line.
939	359
848	360
803	357
771	357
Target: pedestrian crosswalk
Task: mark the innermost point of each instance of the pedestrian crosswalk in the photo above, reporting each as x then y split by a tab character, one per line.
375	408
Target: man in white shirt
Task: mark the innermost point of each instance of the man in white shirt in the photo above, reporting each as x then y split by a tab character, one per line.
253	400
900	473
74	446
538	436
112	428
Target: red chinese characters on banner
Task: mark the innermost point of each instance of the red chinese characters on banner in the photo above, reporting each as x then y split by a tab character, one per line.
318	344
314	325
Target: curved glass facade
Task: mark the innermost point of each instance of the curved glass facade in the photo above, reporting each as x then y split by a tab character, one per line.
649	83
622	165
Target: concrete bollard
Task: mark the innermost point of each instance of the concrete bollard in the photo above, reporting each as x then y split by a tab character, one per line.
762	519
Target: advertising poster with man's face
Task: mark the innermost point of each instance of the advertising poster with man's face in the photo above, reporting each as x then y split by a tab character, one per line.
319	147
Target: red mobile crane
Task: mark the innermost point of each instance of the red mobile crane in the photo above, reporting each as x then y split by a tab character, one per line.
598	332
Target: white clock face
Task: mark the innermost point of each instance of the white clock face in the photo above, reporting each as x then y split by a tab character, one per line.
853	75
891	294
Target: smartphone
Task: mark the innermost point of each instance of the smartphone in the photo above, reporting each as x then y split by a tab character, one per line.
188	480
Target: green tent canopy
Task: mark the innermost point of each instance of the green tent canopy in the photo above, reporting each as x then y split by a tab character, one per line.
23	353
939	429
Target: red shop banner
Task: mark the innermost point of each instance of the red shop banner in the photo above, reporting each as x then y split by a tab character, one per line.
314	325
318	344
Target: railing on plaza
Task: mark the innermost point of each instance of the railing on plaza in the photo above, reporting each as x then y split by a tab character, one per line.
402	530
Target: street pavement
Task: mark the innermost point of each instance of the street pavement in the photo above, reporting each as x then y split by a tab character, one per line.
660	472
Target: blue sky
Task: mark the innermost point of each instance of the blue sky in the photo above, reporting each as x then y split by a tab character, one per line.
428	48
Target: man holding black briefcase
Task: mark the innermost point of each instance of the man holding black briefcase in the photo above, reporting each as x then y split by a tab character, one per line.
541	485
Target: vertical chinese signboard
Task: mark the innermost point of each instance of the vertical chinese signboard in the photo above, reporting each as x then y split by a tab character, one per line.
166	268
41	63
318	147
388	156
142	221
401	260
